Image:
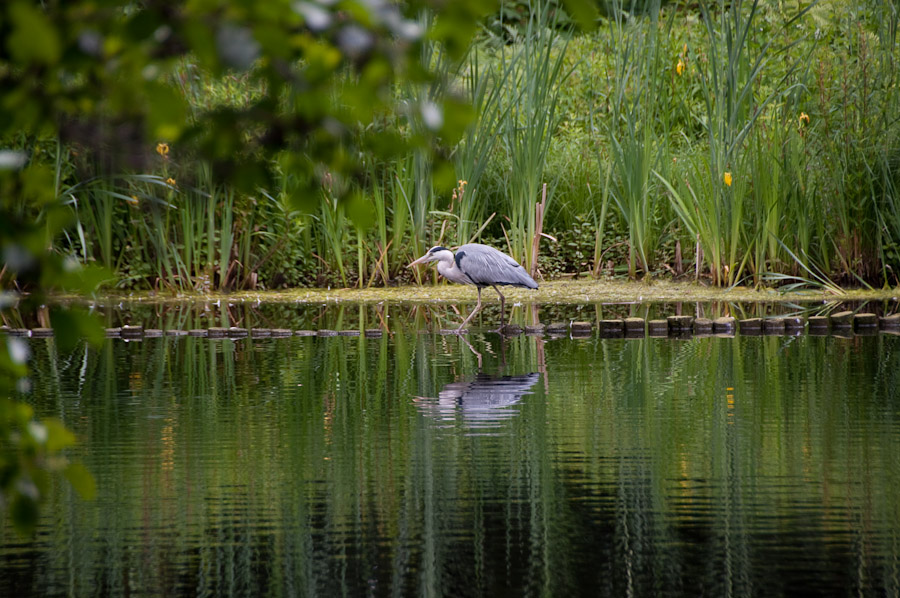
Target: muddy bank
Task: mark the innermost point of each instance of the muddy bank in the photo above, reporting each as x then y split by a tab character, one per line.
557	291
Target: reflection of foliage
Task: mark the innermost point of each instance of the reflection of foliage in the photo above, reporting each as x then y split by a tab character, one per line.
274	451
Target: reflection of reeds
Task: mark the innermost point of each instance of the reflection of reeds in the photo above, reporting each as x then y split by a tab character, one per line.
311	454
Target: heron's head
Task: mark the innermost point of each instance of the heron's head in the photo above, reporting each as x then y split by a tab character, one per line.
434	254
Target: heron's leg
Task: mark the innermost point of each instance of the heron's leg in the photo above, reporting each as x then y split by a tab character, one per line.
471	314
502	305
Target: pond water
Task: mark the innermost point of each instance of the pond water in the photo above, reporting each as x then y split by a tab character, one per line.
420	464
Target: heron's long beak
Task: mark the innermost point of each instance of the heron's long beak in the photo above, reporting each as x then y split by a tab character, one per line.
421	260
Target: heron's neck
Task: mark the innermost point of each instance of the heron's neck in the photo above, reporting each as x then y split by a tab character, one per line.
448	269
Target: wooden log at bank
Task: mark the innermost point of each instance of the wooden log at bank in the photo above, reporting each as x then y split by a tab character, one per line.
724	325
750	326
891	322
794	322
818	325
557	328
773	326
635	326
657	328
865	321
132	331
843	319
511	330
611	328
680	324
703	326
581	329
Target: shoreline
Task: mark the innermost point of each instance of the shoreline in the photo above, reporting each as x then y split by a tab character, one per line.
555	291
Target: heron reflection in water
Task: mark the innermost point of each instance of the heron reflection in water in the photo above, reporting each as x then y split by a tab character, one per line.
483	402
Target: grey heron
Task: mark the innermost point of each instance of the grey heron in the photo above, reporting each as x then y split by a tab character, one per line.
481	266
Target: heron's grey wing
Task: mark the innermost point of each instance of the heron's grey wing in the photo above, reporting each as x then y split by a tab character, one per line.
488	391
485	265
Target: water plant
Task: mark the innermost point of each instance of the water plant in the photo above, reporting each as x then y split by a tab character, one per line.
635	145
532	95
733	131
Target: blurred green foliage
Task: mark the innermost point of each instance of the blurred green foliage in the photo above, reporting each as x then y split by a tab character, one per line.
109	80
105	75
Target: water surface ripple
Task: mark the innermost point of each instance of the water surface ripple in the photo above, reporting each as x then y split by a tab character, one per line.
419	464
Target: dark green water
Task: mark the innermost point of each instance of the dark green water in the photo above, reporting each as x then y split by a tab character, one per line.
763	466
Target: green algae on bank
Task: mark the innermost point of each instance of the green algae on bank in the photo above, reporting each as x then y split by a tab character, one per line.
556	291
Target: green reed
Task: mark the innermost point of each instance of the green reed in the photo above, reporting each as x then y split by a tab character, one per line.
383	244
532	95
484	88
151	228
816	195
710	197
331	231
636	146
887	164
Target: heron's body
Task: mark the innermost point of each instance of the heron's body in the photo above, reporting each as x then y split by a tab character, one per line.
479	265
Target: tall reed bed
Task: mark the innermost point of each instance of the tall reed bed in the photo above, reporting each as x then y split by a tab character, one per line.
531	91
637	129
758	143
710	197
151	230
